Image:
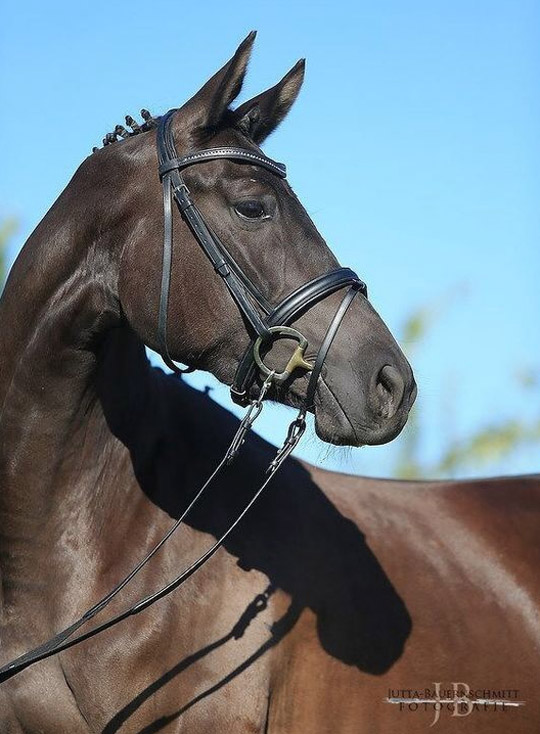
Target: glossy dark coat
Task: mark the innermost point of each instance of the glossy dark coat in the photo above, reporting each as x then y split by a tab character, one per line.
334	589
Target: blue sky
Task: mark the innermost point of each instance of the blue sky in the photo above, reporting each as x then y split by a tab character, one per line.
431	112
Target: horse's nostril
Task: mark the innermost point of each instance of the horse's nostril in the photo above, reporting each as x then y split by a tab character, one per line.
390	387
384	393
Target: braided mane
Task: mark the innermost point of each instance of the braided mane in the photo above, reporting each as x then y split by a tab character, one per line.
120	132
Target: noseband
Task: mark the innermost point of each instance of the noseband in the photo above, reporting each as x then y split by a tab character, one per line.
266	322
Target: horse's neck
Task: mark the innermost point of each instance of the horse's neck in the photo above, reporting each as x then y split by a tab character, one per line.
55	305
58	303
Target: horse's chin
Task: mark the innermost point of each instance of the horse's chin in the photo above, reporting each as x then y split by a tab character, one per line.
337	435
339	431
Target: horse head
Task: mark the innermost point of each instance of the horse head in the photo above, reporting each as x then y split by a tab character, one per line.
366	386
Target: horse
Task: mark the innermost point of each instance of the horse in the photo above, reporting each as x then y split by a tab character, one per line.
337	595
88	288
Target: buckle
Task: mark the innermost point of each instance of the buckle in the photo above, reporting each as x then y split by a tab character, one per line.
240	397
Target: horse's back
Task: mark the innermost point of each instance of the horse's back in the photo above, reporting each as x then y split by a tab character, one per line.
463	558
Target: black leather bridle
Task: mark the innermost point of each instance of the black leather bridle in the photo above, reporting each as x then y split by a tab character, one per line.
266	323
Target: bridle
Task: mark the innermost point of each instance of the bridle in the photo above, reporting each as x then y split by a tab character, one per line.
266	323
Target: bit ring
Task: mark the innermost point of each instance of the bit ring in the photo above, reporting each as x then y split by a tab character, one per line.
296	360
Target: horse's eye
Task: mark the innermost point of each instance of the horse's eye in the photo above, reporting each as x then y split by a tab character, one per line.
250	209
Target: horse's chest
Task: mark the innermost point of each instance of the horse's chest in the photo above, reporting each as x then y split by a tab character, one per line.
199	662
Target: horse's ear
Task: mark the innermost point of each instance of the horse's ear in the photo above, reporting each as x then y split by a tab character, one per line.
260	116
208	106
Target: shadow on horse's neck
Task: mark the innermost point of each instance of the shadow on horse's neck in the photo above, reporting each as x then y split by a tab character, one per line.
175	436
294	534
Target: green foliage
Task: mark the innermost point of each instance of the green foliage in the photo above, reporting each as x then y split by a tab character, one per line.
487	446
419	323
7	229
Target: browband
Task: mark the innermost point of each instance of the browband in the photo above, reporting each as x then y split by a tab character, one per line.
234	154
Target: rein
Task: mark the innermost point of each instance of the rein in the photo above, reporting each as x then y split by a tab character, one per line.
266	324
64	639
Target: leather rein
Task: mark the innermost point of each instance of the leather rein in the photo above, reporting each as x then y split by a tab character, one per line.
266	324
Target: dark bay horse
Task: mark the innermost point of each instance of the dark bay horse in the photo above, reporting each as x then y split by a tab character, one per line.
336	591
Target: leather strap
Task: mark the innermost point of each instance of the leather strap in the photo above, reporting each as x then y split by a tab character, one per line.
214	253
166	281
230	153
307	295
327	343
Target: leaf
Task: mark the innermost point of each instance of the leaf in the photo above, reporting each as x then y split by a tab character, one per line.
489	445
419	323
7	228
